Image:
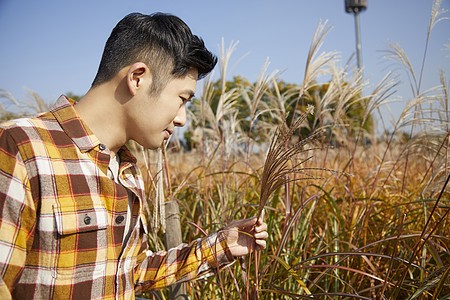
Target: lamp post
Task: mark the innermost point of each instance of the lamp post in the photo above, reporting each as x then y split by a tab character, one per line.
355	7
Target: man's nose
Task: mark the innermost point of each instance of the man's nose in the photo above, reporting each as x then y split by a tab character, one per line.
180	118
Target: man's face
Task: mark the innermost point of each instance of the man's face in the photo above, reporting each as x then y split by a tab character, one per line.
152	119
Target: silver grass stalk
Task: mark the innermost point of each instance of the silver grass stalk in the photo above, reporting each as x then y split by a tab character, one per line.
2	113
279	156
315	64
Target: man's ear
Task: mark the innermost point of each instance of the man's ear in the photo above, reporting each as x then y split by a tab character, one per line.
136	75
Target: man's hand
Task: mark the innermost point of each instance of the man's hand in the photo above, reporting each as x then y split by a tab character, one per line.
243	236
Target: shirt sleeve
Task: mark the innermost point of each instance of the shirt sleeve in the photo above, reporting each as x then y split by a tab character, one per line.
17	214
201	258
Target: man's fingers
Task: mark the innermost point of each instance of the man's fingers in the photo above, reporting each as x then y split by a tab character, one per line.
261	235
261	227
260	244
248	222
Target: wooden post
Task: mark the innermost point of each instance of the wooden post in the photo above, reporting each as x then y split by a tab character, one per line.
173	239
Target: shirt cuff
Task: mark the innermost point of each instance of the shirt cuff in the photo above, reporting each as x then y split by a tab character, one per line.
215	249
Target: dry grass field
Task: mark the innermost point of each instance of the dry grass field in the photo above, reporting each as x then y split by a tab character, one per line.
372	224
364	216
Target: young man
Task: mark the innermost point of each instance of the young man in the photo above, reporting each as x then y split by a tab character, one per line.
71	194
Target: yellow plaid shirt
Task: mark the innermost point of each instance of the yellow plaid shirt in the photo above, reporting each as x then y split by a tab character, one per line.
62	218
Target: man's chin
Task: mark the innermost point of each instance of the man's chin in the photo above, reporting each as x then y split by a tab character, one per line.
149	145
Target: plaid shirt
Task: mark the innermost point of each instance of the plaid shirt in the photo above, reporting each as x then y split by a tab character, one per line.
62	217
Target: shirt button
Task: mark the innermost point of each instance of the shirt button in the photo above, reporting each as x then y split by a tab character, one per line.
101	147
87	220
120	219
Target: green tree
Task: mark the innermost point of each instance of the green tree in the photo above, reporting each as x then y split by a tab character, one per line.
277	103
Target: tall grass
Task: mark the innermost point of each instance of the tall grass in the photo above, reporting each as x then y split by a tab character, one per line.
379	232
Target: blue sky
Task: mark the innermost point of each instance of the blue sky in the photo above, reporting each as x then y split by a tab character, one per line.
54	46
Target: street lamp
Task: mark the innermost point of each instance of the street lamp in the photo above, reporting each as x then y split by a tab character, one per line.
355	7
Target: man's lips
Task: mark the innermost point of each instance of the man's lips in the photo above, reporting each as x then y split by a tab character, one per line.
168	133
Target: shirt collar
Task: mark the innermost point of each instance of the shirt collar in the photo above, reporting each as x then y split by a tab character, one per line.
77	129
73	126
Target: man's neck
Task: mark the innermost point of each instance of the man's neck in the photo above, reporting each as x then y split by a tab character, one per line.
102	113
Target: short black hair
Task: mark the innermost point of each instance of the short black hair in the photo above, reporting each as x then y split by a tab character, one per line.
162	41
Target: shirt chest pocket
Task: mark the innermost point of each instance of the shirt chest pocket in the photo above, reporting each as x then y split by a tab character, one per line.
81	240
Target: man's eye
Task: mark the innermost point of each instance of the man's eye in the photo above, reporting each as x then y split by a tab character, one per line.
183	99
